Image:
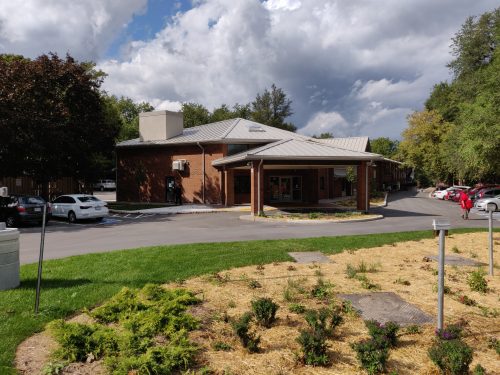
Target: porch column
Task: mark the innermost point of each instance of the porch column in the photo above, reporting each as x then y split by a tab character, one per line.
229	187
257	183
363	189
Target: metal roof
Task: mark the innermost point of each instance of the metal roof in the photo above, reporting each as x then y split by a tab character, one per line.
228	131
350	143
297	149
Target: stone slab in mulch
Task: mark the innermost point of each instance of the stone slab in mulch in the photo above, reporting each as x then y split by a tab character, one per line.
387	307
310	257
455	260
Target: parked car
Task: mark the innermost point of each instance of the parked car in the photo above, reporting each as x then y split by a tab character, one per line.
441	194
22	209
105	185
481	203
79	206
489	192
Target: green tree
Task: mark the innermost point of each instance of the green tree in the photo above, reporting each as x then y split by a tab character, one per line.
326	135
128	112
221	113
272	108
421	148
195	114
384	146
52	119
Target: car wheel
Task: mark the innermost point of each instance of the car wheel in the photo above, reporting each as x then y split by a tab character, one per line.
72	217
10	221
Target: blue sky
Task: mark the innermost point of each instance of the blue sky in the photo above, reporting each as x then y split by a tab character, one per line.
351	67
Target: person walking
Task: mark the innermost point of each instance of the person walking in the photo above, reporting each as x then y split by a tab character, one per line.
466	204
177	194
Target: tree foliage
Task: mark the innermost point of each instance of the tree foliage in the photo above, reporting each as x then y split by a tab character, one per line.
271	108
326	135
128	112
52	119
384	146
469	105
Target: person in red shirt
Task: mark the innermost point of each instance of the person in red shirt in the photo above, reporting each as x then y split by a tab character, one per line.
466	204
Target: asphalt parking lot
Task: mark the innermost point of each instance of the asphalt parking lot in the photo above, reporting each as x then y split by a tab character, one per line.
406	211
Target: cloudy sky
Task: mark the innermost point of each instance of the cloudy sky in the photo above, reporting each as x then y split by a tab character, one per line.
351	67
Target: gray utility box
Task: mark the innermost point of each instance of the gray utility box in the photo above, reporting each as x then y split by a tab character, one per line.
9	257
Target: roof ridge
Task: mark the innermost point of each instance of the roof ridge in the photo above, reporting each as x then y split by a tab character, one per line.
269	145
231	127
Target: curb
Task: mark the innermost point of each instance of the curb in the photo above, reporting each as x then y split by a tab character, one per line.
307	221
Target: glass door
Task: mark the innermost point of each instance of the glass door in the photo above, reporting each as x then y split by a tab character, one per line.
286	188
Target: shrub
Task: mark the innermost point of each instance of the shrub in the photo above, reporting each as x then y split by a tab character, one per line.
494	343
479	370
451	356
451	332
313	345
254	284
383	333
413	329
371	355
477	282
402	281
297	308
466	300
322	289
455	250
265	311
367	283
350	271
221	346
242	329
323	320
348	308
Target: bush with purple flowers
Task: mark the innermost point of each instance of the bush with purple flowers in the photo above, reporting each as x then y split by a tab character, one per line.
451	332
449	352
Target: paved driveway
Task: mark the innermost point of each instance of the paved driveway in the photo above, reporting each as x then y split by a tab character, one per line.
406	211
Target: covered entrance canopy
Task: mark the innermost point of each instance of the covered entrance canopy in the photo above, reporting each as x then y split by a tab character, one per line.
305	158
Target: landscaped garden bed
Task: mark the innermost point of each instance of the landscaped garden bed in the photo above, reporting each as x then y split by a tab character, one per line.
284	317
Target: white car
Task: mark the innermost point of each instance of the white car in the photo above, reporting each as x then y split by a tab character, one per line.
440	194
105	185
79	206
481	203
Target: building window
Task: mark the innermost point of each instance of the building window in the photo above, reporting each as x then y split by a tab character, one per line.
322	183
242	184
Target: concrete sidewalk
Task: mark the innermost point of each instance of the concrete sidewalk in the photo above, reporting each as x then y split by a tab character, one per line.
190	209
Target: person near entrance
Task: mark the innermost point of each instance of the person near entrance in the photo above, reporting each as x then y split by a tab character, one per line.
178	194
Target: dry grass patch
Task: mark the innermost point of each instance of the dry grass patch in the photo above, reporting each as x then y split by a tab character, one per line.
400	268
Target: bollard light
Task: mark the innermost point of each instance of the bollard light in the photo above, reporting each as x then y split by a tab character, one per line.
442	226
490	207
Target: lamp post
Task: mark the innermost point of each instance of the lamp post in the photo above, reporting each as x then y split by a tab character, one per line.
441	226
490	207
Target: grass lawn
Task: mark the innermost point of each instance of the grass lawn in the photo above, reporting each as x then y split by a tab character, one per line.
73	283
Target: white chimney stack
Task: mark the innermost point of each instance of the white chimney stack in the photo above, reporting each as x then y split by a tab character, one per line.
160	125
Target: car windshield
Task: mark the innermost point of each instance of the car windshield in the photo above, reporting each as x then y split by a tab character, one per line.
88	198
31	200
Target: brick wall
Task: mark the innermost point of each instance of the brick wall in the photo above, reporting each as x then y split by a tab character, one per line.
141	173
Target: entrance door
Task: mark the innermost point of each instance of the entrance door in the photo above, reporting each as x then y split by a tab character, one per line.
286	188
169	189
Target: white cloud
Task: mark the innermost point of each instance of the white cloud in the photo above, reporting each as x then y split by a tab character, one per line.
84	28
326	122
361	64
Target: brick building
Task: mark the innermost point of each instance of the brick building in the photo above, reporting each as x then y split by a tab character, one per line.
238	161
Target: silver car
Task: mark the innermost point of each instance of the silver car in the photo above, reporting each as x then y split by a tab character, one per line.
481	203
105	185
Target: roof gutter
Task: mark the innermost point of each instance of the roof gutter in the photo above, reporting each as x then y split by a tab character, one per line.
202	172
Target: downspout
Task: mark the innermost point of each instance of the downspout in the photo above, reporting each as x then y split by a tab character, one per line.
202	172
259	212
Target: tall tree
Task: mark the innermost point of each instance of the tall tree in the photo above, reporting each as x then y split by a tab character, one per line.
420	146
384	146
272	108
52	119
326	135
128	112
195	114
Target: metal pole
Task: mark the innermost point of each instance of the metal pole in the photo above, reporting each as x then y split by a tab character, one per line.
441	279
490	228
40	260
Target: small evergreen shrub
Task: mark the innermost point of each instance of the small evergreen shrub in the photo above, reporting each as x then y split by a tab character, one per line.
451	332
264	310
242	329
477	282
451	356
324	320
371	355
385	333
413	329
494	343
313	346
221	346
254	284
